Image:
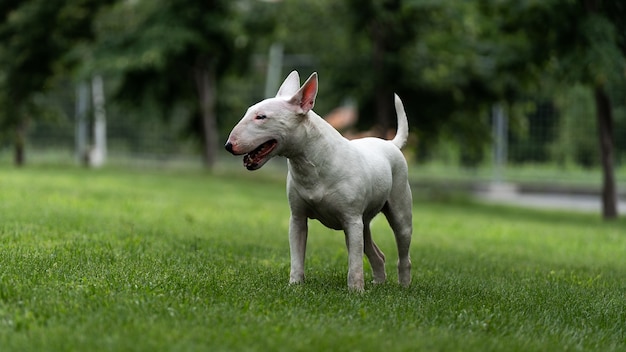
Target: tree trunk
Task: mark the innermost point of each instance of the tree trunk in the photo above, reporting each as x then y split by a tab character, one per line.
206	86
605	134
19	156
80	124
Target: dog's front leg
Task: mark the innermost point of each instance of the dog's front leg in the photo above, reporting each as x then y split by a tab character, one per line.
297	245
354	242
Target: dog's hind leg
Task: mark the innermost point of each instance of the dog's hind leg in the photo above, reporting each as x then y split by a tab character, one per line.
374	255
400	216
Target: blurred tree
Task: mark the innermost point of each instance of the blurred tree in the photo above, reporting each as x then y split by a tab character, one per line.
446	59
391	29
35	38
579	41
174	54
449	61
422	50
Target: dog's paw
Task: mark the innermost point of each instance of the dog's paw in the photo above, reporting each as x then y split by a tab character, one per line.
405	280
379	281
296	280
379	278
404	272
356	283
356	288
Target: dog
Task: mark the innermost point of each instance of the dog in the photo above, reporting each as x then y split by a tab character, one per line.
342	183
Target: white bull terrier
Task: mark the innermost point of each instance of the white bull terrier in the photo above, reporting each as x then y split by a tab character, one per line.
339	182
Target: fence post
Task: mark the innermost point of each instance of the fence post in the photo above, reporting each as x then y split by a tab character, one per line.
274	67
98	153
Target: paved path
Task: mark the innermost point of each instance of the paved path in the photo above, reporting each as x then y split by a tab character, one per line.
576	202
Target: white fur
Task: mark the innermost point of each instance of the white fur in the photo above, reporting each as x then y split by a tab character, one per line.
341	183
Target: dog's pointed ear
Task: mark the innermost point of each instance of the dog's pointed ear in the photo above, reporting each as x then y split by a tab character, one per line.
290	85
305	96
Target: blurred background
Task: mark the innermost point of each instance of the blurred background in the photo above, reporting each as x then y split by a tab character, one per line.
518	95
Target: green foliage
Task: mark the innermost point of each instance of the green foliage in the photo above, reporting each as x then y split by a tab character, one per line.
582	40
132	260
36	37
156	47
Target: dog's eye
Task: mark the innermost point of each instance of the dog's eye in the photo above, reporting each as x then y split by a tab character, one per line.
260	117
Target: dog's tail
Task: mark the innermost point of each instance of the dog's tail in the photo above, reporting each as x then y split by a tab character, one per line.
403	125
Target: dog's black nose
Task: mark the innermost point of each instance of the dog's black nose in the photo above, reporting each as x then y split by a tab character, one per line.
229	147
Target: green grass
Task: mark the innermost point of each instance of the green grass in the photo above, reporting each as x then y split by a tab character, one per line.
130	260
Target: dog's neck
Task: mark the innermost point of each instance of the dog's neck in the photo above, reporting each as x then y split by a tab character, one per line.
311	146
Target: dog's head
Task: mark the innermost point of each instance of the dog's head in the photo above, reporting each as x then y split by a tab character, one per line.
267	125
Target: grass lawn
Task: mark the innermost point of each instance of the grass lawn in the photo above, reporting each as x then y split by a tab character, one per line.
132	260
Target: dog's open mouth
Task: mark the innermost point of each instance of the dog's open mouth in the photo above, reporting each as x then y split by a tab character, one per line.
258	157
